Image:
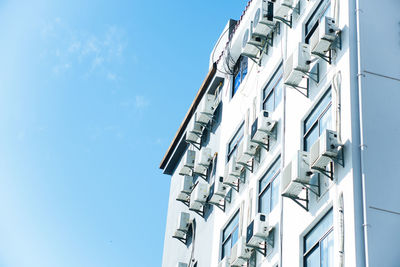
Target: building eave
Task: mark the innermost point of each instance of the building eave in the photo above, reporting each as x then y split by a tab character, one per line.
203	88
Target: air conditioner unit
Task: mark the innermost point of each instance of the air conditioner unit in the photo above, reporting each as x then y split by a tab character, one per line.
324	150
240	253
264	21
258	230
194	131
203	161
262	127
220	191
246	150
188	163
185	188
183	224
181	264
199	196
297	64
295	174
232	173
206	109
252	43
324	36
283	8
225	262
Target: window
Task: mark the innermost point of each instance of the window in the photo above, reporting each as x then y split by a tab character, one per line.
318	120
272	93
235	141
318	243
268	188
239	73
320	12
230	235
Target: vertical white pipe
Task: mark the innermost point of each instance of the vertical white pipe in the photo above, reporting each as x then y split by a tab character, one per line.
362	144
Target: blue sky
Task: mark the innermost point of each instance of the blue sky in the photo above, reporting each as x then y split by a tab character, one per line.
91	94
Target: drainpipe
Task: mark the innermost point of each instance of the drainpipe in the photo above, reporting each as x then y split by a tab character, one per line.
363	146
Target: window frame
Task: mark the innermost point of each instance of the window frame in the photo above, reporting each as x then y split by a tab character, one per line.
317	244
305	132
224	241
275	163
237	137
270	88
238	69
316	15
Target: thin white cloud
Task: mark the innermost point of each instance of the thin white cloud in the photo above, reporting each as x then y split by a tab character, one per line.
141	102
97	53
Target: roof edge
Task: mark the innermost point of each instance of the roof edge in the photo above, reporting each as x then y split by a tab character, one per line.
195	103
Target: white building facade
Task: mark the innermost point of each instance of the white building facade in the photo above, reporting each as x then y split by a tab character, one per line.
286	156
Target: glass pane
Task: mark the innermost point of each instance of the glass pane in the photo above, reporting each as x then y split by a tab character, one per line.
269	103
264	202
230	227
313	258
320	107
235	139
226	249
275	192
278	92
236	83
326	121
235	236
310	138
272	171
319	230
243	67
327	251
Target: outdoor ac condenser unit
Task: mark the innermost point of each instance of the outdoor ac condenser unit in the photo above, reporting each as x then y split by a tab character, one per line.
185	188
324	149
206	109
199	196
232	172
297	64
194	131
295	174
324	36
246	150
258	230
283	7
262	127
181	264
252	43
203	161
183	221
240	253
264	21
188	162
220	191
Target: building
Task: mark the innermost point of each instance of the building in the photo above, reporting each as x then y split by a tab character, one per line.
286	156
